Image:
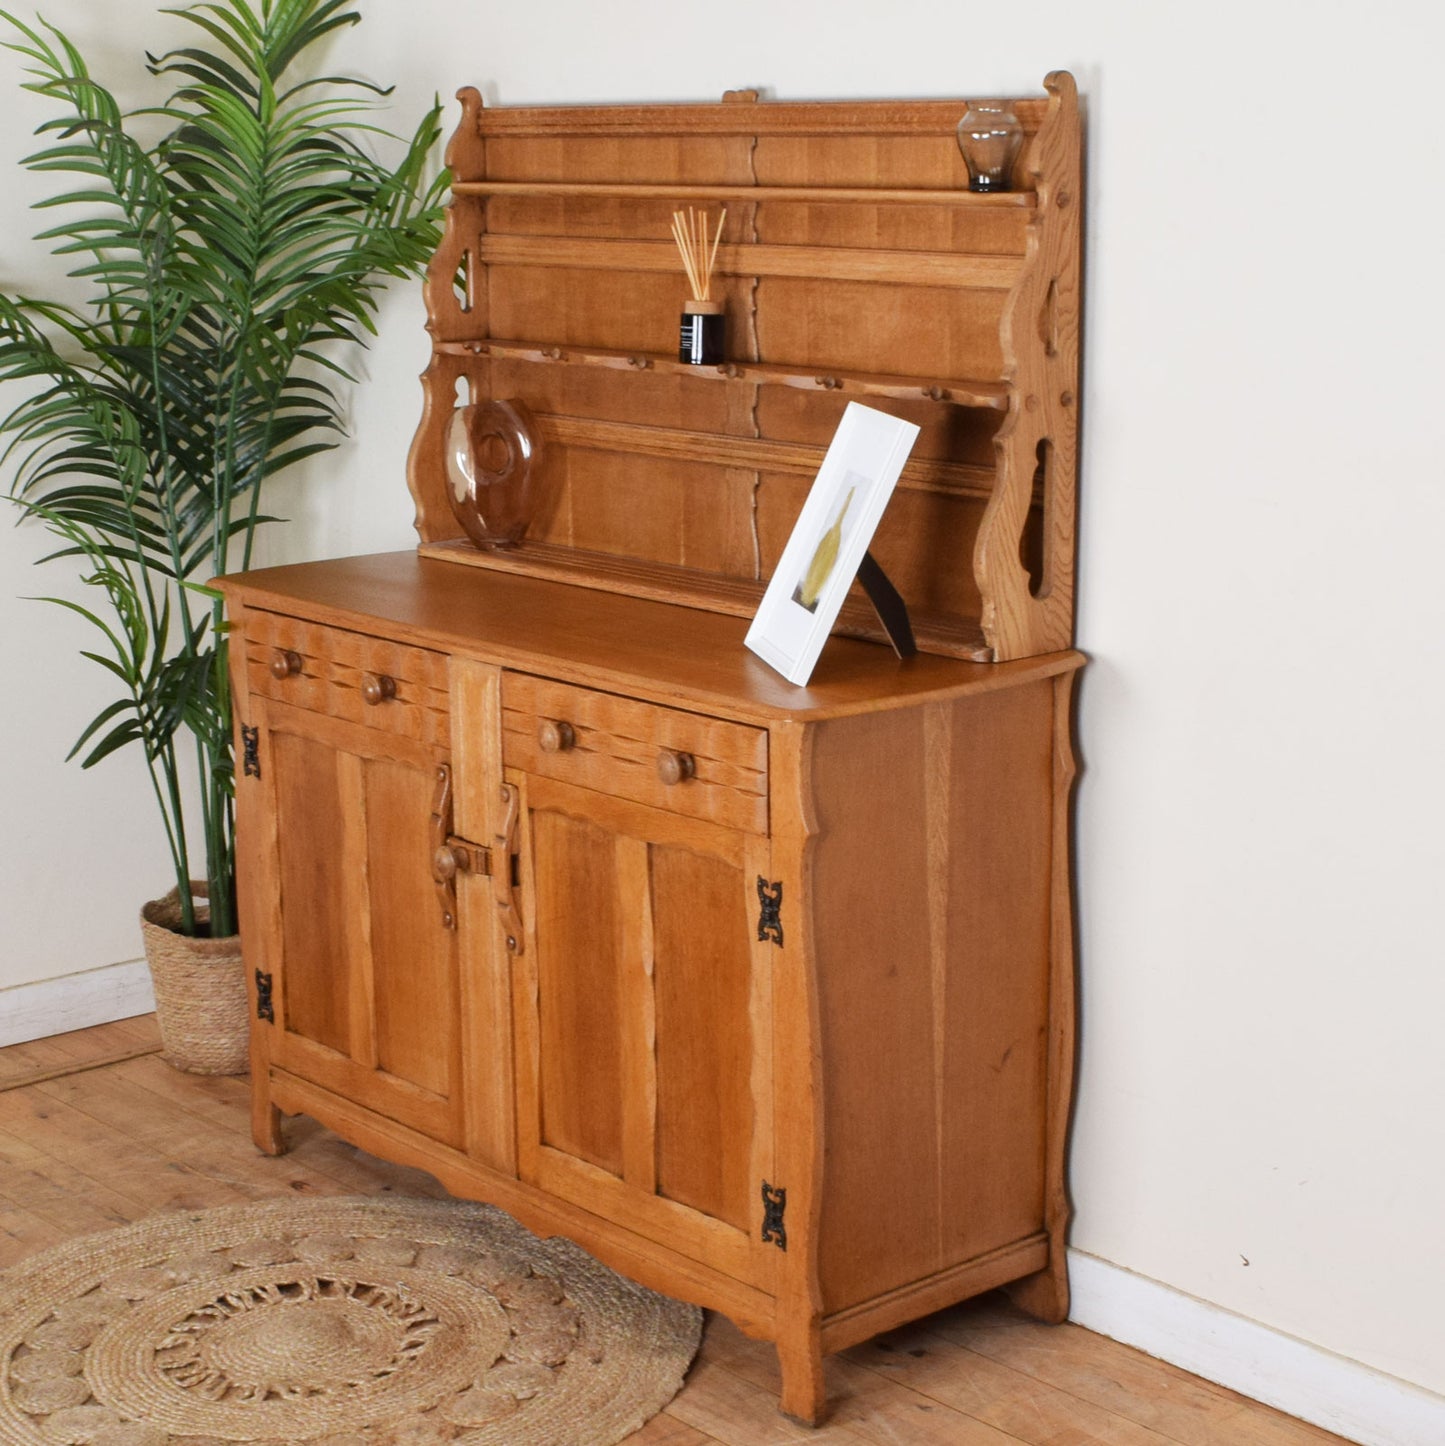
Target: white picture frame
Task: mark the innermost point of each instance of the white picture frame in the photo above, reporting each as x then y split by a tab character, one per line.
817	567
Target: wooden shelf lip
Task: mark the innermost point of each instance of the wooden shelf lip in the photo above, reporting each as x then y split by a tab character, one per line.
759	118
814	195
687	587
992	396
962	270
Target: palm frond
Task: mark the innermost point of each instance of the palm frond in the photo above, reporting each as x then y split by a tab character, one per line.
211	271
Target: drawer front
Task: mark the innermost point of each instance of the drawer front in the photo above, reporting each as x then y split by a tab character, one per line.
346	675
683	762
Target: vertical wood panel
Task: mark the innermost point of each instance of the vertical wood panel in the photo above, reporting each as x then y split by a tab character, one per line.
998	949
704	1040
933	869
353	868
881	1208
1046	1295
640	1017
314	984
485	984
258	890
800	1107
413	956
579	970
758	864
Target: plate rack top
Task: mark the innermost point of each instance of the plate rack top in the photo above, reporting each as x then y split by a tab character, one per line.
854	264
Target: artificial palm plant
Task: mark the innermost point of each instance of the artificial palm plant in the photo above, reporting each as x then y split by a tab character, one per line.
218	269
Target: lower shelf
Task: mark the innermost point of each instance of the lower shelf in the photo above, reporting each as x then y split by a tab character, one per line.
738	597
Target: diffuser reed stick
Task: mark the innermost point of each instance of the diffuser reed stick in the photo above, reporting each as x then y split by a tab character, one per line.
690	231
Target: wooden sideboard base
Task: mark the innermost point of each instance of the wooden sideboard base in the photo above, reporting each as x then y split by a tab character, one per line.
787	1032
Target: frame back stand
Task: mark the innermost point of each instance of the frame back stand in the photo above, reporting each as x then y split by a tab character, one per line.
889	605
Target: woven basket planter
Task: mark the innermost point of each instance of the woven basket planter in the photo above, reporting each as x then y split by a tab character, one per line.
200	987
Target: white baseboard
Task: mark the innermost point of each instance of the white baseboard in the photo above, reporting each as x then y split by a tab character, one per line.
75	1001
1341	1395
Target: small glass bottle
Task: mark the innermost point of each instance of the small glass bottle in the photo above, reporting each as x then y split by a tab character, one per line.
989	135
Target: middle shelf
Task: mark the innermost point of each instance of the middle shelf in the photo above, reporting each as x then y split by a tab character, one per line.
987	395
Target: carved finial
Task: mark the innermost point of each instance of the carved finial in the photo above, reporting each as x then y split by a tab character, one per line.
1063	100
1060	86
464	153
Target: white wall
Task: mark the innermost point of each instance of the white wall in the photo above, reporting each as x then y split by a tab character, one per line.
1262	1083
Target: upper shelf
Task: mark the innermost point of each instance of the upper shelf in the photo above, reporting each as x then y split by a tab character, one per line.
992	396
817	195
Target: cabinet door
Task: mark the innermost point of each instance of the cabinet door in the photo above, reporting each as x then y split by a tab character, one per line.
364	986
644	1021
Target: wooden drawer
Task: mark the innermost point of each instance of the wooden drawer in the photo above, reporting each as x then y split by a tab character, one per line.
340	674
623	747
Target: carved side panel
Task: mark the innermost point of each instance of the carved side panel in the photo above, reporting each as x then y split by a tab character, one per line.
456	306
1028	613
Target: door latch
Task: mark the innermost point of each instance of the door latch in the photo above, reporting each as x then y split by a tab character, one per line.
503	883
452	856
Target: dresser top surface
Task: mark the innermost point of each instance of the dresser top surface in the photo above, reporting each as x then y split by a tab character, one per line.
620	644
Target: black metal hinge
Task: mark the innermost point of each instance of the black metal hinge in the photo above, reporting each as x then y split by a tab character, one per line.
775	1201
770	910
251	751
264	1008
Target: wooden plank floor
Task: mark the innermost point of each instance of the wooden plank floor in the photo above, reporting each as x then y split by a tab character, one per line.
95	1131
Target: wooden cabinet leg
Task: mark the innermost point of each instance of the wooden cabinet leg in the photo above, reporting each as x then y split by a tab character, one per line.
804	1396
266	1127
1044	1296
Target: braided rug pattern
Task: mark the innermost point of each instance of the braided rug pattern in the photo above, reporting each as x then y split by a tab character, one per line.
351	1322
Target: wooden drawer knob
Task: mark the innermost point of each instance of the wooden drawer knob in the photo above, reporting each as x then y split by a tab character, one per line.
285	664
445	865
674	767
378	688
555	736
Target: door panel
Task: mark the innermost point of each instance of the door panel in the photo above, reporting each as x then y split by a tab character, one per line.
580	986
703	982
367	996
314	987
414	977
644	1021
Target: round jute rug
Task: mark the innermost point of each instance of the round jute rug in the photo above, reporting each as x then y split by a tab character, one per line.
350	1322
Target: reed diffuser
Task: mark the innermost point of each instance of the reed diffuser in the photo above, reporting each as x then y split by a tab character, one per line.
700	340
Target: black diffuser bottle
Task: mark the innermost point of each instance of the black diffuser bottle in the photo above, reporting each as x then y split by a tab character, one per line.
701	335
700	340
